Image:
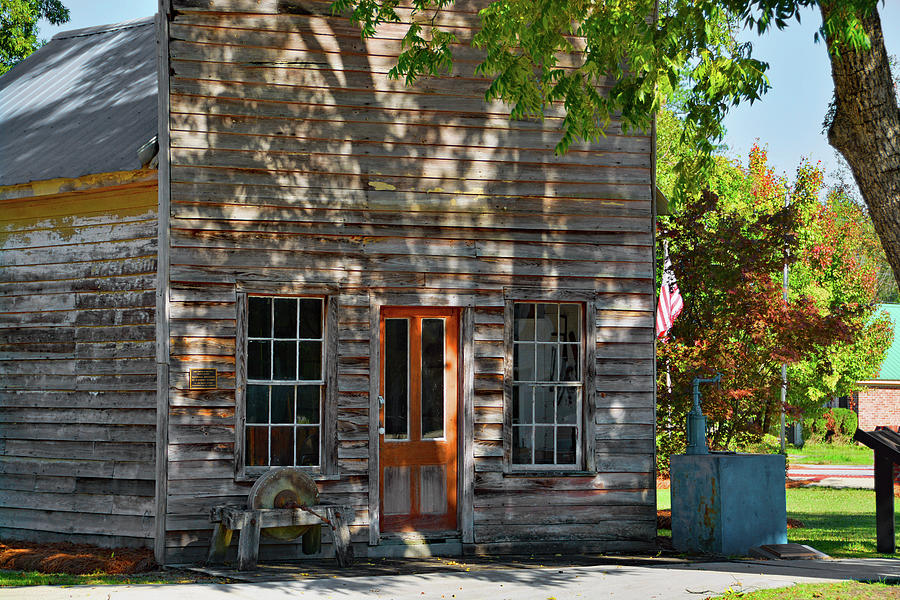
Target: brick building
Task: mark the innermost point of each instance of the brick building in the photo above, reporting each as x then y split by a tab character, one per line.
878	402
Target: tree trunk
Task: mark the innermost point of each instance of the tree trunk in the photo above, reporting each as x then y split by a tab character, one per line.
866	128
766	416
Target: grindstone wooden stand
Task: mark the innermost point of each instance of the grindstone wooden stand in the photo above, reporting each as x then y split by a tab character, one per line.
283	504
250	522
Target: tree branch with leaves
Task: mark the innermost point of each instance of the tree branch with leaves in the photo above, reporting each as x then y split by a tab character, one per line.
627	58
19	27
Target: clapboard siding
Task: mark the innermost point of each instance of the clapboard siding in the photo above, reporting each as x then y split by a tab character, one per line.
297	163
77	372
447	182
370	134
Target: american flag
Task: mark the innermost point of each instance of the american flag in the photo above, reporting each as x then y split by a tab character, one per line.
670	302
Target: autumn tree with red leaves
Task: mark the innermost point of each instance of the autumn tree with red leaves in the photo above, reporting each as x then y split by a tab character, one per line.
728	249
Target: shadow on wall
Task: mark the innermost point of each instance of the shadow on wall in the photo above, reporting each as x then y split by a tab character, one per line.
296	159
291	125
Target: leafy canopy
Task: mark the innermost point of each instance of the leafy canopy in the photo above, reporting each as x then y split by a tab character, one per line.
728	248
18	27
839	265
609	59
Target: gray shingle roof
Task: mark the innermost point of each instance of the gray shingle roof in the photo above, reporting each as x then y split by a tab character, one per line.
82	104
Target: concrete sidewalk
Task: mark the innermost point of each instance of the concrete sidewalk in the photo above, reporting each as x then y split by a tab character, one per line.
616	582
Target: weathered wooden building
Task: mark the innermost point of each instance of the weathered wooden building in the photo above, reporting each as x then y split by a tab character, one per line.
78	226
398	289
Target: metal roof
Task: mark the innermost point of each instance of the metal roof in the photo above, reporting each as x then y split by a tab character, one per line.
82	104
890	368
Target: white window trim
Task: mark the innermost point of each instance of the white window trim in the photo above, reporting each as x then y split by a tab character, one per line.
328	467
586	426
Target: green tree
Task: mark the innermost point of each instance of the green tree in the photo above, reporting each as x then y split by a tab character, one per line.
837	266
868	243
728	248
734	321
639	58
19	30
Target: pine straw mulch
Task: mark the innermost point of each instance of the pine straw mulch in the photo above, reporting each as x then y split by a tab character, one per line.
74	559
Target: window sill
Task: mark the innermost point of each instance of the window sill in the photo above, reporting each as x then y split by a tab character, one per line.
252	477
546	474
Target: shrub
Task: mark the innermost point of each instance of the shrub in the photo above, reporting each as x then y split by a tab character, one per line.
669	442
835	425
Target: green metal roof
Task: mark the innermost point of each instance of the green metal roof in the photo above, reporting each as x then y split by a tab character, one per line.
890	368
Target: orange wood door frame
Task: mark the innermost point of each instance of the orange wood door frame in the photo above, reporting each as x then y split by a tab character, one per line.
413	464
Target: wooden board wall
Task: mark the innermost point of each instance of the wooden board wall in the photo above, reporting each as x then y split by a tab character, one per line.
296	161
77	370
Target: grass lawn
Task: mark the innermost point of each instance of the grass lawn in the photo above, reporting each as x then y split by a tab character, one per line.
828	454
19	578
840	523
847	590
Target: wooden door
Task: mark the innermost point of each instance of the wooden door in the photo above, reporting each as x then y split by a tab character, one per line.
418	441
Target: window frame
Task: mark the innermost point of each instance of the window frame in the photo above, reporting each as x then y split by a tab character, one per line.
587	299
328	467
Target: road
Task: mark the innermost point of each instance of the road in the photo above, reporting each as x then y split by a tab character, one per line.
841	476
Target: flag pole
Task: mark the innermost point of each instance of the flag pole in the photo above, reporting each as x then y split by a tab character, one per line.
669	307
668	374
784	295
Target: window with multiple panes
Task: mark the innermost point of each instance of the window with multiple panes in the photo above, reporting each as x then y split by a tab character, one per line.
285	381
547	385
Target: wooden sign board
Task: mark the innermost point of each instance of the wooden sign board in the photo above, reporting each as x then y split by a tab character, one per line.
883	441
886	444
203	379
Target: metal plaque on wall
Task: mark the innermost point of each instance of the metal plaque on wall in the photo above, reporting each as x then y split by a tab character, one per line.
203	379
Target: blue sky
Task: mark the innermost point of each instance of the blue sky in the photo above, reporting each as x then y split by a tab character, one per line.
87	13
788	120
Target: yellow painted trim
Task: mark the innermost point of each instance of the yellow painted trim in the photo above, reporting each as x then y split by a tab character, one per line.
131	200
50	187
62	215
